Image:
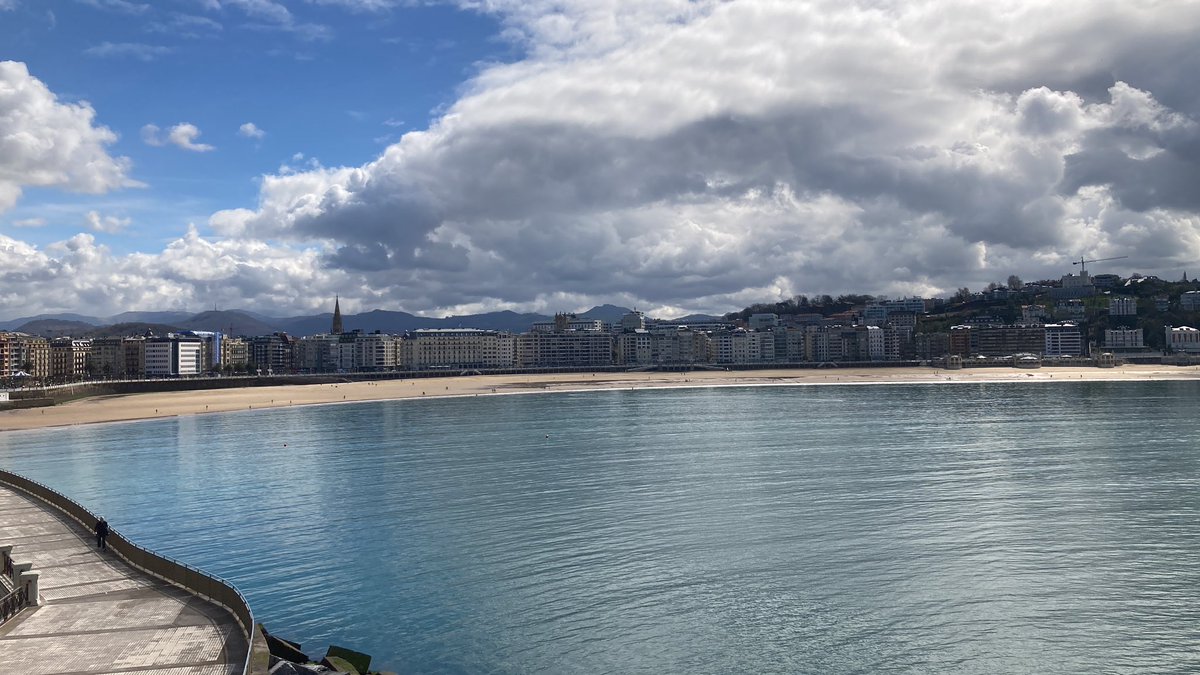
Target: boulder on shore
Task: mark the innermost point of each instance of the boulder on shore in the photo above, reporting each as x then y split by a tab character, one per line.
360	661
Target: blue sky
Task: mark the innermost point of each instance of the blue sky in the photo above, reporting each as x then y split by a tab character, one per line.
335	88
456	156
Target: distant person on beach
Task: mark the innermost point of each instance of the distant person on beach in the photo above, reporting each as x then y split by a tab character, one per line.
101	533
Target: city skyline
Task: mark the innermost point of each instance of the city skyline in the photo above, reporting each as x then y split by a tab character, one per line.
462	157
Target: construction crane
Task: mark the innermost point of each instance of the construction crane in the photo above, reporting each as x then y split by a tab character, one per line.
1083	263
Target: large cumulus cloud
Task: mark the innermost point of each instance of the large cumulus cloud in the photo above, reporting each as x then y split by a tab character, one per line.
191	274
697	155
45	142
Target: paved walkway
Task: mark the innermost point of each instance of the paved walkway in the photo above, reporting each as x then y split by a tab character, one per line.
99	615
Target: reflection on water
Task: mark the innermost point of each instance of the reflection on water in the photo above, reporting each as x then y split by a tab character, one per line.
952	528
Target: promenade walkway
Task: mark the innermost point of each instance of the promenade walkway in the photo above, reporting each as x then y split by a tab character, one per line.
100	616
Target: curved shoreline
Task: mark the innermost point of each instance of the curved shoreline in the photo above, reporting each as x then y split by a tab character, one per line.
135	407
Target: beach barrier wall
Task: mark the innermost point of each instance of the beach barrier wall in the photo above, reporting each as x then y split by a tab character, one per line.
198	582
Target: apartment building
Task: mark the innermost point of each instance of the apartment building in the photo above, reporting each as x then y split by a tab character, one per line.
69	358
24	355
564	349
108	357
1063	339
458	348
1123	338
173	356
1122	305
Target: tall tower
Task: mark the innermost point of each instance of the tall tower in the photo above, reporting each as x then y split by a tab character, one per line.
337	317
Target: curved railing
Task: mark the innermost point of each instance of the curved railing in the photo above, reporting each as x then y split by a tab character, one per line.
173	571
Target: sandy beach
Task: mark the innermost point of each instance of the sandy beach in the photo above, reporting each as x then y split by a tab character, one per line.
149	406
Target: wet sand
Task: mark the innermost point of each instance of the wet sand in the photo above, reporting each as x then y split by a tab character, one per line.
169	404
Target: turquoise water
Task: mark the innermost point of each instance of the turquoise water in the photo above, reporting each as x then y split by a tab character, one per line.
1001	528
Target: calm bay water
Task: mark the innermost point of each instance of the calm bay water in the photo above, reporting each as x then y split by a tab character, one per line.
1007	528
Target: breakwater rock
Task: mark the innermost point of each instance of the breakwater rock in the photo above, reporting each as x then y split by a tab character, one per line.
287	658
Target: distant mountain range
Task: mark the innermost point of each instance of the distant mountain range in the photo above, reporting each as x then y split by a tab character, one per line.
237	322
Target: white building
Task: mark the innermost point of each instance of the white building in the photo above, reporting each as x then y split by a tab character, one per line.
742	346
634	347
572	323
1063	339
1122	305
376	351
681	345
875	343
1183	339
1123	338
172	357
458	348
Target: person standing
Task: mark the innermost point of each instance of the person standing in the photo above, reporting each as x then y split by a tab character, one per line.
101	532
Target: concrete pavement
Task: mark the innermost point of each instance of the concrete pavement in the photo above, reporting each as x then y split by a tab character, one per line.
98	615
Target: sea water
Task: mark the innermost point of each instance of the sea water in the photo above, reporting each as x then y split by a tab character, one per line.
991	528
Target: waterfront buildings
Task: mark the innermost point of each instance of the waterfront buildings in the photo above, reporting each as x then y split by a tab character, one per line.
1063	339
69	359
1123	338
1183	339
172	356
564	349
458	348
24	355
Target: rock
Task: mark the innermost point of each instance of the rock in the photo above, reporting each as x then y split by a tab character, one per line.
360	661
340	664
285	650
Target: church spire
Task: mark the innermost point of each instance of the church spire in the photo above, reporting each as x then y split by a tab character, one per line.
337	317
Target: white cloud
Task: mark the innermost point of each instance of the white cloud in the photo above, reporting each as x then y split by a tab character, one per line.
29	222
693	154
271	15
182	135
123	6
250	130
46	143
701	155
150	135
359	5
186	25
106	224
136	50
189	273
8	5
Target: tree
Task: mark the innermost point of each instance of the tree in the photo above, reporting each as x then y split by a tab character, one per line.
1014	282
962	295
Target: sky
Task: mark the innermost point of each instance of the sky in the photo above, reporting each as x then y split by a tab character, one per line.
458	156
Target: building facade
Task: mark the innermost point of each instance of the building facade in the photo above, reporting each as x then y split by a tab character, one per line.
69	359
173	356
564	349
457	348
1183	339
1122	305
1063	339
1123	338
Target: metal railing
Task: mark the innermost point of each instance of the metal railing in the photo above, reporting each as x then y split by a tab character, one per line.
178	573
13	603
